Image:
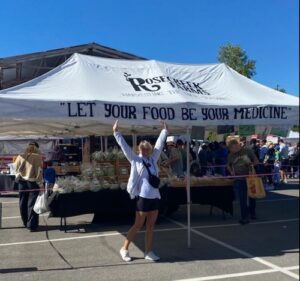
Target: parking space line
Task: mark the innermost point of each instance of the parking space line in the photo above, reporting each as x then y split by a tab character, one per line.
18	217
275	200
241	274
252	223
237	250
83	237
10	202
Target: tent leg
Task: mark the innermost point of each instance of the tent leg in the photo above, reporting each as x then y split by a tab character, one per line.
134	142
188	188
82	150
105	144
101	141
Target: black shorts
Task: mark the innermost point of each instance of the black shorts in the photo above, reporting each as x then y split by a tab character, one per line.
285	164
146	205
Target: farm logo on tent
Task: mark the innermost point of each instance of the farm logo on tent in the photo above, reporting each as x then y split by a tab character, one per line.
153	84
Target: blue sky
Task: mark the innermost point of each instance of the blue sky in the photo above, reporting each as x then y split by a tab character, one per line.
185	31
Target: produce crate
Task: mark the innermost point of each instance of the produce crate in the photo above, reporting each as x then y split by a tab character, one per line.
59	170
73	169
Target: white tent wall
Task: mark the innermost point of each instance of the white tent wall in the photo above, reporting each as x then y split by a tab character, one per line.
15	147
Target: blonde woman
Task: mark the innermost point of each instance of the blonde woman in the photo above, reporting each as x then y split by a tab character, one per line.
143	166
29	176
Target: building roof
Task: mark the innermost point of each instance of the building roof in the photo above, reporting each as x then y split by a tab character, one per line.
15	70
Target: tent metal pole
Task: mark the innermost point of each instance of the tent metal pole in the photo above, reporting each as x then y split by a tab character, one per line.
82	149
188	188
134	140
101	141
105	144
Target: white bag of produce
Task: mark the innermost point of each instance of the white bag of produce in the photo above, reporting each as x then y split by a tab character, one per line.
41	204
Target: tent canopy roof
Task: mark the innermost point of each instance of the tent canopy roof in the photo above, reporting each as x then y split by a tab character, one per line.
86	94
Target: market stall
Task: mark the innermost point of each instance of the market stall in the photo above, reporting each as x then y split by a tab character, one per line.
10	147
85	95
114	202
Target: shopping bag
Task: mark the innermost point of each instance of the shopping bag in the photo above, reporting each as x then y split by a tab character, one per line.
41	203
255	186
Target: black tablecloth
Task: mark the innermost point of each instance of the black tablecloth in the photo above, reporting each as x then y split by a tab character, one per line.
217	196
7	183
108	203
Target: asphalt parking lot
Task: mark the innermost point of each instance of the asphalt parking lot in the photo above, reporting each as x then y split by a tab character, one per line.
265	249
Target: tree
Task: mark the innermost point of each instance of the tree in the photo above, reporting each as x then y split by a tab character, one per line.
280	89
236	58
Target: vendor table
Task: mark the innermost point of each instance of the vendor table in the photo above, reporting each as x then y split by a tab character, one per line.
110	203
7	183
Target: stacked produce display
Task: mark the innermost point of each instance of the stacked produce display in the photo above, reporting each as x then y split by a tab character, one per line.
110	170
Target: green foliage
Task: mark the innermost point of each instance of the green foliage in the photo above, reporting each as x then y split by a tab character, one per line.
236	58
280	89
296	129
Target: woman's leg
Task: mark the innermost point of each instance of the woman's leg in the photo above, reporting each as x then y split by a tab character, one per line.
23	201
241	187
33	217
138	224
150	223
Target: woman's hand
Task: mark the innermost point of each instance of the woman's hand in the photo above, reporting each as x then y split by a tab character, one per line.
164	125
115	126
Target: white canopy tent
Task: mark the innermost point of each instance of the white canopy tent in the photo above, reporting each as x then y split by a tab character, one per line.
86	94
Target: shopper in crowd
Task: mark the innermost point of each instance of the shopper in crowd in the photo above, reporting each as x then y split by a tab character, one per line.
143	167
240	161
203	155
211	158
263	150
57	154
181	148
276	170
175	159
284	152
242	143
296	161
192	151
195	169
221	158
262	154
49	176
181	145
163	162
292	156
255	147
269	165
29	176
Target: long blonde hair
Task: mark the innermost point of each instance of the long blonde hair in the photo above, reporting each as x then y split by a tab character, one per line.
31	148
145	144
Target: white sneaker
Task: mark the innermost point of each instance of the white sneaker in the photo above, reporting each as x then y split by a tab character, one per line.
151	256
125	255
285	181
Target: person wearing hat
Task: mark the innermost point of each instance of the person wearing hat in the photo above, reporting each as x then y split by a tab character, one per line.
140	186
175	158
29	176
239	163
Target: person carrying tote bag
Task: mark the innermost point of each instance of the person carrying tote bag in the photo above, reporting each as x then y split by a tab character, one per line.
41	203
255	186
30	180
240	160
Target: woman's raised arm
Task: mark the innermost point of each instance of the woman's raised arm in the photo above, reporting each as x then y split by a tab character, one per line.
159	145
128	152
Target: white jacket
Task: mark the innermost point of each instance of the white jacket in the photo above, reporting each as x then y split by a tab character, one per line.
136	161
